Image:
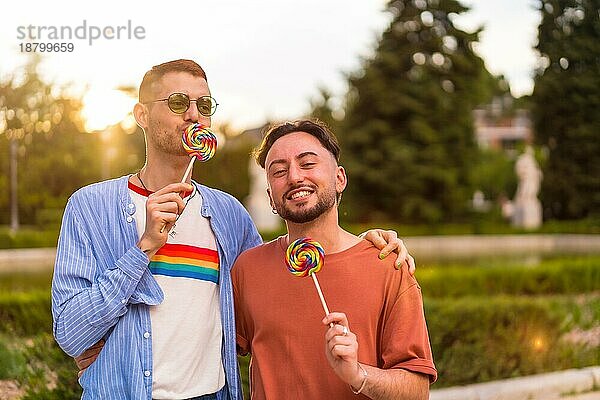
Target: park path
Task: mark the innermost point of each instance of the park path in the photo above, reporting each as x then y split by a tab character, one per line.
571	384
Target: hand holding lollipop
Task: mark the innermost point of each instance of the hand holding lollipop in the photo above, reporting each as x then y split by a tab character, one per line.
200	143
305	257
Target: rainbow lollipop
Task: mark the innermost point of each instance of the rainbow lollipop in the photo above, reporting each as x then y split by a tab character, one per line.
305	257
200	143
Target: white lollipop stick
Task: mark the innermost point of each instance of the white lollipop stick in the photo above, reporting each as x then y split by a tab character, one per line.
189	169
185	176
316	281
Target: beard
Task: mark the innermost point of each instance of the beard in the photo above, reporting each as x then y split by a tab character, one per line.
324	203
166	140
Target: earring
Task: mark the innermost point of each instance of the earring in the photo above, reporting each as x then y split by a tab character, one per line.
274	211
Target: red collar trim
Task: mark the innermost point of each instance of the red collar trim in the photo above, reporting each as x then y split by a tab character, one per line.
146	193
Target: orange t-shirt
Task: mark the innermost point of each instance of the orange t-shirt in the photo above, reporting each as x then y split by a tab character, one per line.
278	319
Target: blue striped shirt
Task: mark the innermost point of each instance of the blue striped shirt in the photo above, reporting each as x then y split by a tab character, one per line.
102	287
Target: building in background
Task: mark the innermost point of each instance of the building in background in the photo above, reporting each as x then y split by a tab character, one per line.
499	126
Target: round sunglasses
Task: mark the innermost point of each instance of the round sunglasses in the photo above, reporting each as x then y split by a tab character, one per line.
180	103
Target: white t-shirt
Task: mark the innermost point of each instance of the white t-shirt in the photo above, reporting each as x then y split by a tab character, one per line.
186	326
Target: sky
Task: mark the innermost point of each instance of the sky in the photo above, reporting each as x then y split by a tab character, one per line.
265	59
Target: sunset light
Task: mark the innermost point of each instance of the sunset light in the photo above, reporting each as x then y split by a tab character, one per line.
105	107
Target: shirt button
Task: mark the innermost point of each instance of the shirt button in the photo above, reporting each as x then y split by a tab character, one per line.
146	335
146	373
123	301
130	205
129	219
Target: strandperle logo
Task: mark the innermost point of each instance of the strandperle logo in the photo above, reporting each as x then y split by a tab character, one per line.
84	31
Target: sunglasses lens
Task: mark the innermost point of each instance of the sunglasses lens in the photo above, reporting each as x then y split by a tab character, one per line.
179	103
206	106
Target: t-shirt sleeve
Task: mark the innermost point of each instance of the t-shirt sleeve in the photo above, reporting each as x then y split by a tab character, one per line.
405	340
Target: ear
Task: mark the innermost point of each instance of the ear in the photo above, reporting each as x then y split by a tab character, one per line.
140	113
341	180
270	198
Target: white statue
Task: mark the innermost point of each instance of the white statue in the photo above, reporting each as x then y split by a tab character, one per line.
257	201
527	211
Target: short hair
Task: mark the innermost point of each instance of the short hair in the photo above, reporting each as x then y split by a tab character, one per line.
313	127
158	71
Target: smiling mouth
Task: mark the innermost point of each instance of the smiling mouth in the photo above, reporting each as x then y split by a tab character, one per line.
301	194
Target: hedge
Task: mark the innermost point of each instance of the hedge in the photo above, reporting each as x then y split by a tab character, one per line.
479	226
478	339
25	314
559	276
28	237
474	339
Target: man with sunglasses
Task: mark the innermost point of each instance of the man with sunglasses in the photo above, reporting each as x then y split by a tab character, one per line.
141	292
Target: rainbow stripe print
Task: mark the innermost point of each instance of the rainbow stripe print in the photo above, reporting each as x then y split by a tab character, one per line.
183	261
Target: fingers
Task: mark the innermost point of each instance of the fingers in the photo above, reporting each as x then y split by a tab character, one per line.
168	199
174	188
388	242
341	342
395	245
391	246
339	329
343	348
163	206
411	265
336	318
374	236
402	253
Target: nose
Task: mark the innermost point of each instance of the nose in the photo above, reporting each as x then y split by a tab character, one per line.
193	115
295	173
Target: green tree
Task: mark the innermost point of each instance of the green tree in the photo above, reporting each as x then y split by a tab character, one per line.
41	131
28	111
322	108
228	170
566	100
407	136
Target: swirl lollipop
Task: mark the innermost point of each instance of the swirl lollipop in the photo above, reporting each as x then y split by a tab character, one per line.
200	143
305	257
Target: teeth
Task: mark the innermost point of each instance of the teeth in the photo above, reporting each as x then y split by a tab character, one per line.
297	195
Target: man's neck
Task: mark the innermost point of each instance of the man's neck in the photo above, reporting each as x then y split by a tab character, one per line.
158	173
325	230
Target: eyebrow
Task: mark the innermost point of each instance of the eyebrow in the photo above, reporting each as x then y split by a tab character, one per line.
299	156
